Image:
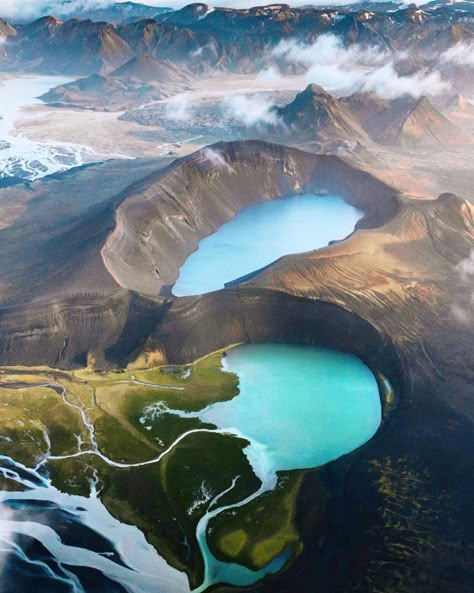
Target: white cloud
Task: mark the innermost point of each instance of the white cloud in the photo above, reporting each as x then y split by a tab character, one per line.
250	110
271	74
336	67
247	110
335	77
464	311
179	108
461	54
329	63
32	8
217	159
466	268
389	84
329	49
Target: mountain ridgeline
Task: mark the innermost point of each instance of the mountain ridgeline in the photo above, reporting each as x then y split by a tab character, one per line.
315	116
139	80
220	39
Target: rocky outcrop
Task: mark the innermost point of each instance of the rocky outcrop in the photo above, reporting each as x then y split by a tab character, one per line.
316	116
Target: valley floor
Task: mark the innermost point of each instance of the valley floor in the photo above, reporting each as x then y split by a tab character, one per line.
421	173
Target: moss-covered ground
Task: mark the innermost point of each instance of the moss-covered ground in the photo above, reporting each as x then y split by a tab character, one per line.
262	529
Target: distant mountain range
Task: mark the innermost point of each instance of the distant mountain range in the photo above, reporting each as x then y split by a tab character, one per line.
126	12
115	13
208	40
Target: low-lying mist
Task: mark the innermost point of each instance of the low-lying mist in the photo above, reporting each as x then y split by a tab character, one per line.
342	69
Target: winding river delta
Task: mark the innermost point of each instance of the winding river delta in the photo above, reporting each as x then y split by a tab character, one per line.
22	157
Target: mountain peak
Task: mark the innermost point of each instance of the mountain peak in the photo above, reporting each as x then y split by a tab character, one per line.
148	69
424	125
49	21
315	115
6	30
314	89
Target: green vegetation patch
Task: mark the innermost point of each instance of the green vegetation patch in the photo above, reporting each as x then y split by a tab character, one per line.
118	396
255	534
233	542
32	419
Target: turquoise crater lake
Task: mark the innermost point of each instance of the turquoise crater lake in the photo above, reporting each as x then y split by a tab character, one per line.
262	233
299	407
303	405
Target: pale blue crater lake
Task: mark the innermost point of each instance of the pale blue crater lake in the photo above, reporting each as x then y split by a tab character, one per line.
262	233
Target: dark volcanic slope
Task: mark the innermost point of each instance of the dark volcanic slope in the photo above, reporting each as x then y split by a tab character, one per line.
54	288
397	513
